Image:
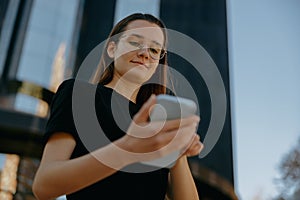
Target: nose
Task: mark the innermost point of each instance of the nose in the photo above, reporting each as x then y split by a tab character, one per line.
143	52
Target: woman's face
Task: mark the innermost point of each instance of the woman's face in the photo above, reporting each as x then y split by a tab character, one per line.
136	55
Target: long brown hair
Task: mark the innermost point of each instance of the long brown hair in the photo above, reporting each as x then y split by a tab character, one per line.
105	70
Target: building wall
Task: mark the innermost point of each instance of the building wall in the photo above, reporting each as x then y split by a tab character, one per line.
205	22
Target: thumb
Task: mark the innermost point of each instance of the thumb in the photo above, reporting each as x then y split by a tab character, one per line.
143	114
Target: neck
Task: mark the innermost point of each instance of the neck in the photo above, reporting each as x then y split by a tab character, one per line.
124	87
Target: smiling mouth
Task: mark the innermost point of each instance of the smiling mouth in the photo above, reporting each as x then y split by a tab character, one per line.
139	63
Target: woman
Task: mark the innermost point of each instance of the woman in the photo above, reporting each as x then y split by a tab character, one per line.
133	62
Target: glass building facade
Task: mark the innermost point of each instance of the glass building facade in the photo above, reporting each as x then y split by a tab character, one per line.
38	41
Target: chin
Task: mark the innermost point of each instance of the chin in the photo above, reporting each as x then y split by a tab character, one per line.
138	74
138	78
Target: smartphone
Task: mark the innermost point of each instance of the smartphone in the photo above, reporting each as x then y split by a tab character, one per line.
169	107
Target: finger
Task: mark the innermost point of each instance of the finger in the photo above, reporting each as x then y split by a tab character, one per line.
176	123
194	143
189	143
157	127
180	138
195	148
143	114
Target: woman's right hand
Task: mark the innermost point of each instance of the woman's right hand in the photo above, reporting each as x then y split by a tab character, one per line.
147	141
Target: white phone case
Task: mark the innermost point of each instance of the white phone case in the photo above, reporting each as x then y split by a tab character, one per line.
172	107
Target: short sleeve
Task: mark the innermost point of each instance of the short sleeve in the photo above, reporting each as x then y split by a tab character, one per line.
61	117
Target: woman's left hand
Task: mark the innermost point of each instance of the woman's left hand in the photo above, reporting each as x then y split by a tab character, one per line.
195	148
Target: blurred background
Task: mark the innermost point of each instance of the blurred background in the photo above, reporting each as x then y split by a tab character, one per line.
255	45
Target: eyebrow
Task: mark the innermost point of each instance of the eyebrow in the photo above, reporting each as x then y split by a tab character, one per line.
140	36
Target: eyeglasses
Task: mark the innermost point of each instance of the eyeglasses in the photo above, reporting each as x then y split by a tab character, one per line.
135	43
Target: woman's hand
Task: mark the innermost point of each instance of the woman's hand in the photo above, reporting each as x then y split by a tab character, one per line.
195	148
152	140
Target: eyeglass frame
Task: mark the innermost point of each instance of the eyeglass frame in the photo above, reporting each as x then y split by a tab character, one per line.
142	46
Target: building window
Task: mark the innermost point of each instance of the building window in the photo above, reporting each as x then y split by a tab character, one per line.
127	7
47	51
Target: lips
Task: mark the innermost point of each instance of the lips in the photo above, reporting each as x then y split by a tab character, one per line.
139	63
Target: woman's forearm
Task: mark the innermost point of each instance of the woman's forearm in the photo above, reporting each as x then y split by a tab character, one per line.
57	178
182	185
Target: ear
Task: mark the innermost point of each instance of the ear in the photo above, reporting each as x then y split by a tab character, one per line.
111	47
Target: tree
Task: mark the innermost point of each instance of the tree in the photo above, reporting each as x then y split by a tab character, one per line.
289	180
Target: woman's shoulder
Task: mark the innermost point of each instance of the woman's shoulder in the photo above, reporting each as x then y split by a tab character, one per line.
76	89
70	88
104	90
66	85
71	83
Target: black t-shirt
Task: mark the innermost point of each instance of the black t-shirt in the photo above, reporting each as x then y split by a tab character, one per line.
113	113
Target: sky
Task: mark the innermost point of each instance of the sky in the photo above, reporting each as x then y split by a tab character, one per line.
264	65
264	47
